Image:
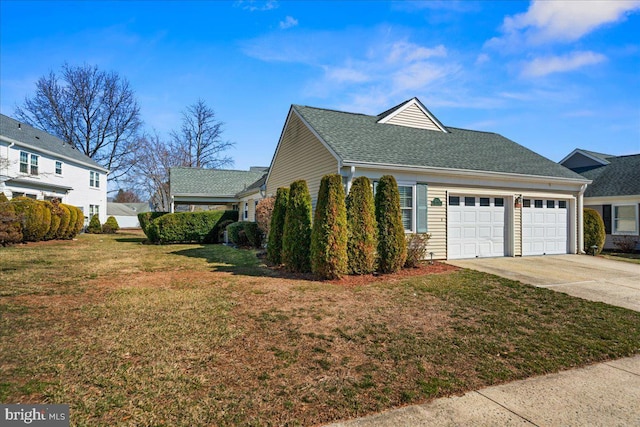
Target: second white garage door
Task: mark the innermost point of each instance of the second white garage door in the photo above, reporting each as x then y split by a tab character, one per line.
475	227
544	227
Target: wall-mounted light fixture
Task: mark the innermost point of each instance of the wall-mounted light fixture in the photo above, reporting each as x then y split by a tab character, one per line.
518	202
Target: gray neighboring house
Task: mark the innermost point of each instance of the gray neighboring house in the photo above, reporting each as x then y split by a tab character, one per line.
478	194
218	189
614	191
127	213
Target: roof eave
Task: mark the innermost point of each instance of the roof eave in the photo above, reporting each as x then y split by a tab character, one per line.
467	172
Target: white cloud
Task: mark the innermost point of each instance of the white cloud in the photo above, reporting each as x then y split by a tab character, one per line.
288	22
557	64
404	51
346	75
561	21
482	59
256	5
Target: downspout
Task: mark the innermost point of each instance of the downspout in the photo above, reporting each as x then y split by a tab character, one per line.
581	219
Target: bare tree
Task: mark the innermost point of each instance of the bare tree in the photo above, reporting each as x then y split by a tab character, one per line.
93	110
199	141
150	173
126	196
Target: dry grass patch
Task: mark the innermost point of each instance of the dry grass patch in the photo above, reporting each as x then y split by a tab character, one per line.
206	335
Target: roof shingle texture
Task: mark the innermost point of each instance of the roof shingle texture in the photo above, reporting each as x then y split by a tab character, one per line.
212	182
42	140
359	138
621	177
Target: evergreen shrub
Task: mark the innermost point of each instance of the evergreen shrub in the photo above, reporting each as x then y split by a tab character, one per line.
594	232
189	227
94	225
73	220
10	223
65	217
362	228
147	218
276	227
56	216
392	248
111	226
296	235
36	218
329	232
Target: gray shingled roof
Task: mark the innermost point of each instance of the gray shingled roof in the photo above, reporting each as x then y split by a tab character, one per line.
38	139
359	138
621	177
601	156
211	182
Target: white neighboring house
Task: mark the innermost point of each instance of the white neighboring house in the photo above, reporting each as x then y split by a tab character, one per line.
39	165
127	213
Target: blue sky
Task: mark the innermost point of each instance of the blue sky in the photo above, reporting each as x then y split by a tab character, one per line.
549	75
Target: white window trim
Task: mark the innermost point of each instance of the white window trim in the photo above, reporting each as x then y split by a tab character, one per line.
613	219
56	168
94	179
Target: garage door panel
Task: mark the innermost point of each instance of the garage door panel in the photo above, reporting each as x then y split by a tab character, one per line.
544	229
474	230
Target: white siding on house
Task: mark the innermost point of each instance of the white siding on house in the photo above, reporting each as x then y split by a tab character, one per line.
74	175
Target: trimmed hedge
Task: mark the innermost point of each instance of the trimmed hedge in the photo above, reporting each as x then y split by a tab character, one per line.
94	225
276	228
296	237
188	227
111	226
10	228
79	222
392	247
362	227
65	218
36	218
245	233
73	219
594	233
329	232
56	214
147	218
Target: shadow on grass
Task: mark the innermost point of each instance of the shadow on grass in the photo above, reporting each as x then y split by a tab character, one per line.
231	260
131	239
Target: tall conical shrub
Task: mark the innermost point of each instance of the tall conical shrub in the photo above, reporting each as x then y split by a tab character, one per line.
329	232
362	227
73	219
594	232
392	247
10	225
94	225
276	228
55	220
296	237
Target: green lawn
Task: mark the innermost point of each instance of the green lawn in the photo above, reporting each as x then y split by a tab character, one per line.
186	335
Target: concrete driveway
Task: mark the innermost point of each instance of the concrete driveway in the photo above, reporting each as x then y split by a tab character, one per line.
583	276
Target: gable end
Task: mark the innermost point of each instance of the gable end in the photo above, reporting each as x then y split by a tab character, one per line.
412	114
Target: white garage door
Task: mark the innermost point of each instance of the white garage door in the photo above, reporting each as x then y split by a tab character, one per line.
475	227
544	227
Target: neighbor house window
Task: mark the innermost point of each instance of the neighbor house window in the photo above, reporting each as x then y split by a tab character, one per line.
58	168
625	219
94	179
24	162
246	210
413	206
28	166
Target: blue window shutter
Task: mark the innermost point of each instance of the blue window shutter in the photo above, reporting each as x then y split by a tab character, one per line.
421	205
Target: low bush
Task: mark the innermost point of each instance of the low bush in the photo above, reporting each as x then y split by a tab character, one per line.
79	222
36	218
189	227
94	225
245	234
73	220
65	218
10	223
416	248
626	244
111	226
594	232
221	229
56	216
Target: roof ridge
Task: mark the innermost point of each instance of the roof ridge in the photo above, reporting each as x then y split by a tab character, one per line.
334	110
474	130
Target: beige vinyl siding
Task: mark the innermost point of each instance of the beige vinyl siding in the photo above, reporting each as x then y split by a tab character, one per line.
437	222
252	210
413	117
517	231
300	156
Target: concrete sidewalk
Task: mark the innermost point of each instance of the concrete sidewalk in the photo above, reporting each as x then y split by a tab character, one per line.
605	394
